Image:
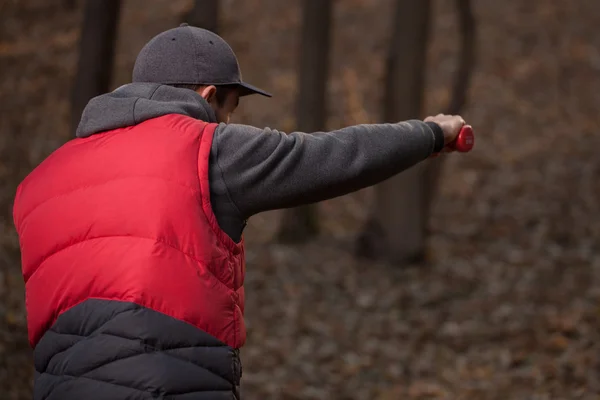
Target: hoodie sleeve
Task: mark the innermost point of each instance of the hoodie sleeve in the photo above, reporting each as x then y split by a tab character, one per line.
265	169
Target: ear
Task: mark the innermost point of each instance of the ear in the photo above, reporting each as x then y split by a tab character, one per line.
208	92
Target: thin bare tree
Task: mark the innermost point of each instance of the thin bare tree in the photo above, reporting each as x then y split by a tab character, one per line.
96	54
460	88
204	14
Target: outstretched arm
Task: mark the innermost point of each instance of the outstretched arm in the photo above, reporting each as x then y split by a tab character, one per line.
265	169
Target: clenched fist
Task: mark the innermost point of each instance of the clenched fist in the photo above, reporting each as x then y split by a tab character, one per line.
450	124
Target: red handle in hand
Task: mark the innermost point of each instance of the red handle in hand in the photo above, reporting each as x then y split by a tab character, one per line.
465	140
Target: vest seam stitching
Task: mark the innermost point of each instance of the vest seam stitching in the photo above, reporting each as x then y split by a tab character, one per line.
83	187
193	258
73	377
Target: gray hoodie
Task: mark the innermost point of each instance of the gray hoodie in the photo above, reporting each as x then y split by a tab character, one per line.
252	170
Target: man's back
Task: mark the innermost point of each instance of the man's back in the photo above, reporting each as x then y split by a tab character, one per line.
124	248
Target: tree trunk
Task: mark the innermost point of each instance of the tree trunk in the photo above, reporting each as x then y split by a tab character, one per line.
460	88
69	5
204	14
300	224
396	228
96	54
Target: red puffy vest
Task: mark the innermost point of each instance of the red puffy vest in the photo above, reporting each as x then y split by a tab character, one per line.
126	215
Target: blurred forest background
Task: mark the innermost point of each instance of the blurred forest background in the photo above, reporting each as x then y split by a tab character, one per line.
504	303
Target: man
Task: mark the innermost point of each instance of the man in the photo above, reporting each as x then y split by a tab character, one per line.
131	234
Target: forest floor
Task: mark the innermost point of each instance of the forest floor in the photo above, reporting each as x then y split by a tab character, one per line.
508	307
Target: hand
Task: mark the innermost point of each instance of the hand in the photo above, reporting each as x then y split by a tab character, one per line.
450	124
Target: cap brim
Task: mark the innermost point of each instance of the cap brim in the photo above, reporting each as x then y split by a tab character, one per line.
247	89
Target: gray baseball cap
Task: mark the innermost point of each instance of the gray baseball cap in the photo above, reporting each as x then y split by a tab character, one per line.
190	55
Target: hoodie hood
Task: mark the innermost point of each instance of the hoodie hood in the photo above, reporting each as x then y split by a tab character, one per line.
137	102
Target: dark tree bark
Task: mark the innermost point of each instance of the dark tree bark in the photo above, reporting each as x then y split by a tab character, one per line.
96	54
300	224
396	228
204	14
460	88
70	4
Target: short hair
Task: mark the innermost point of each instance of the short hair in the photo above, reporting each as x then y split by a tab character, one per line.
222	90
